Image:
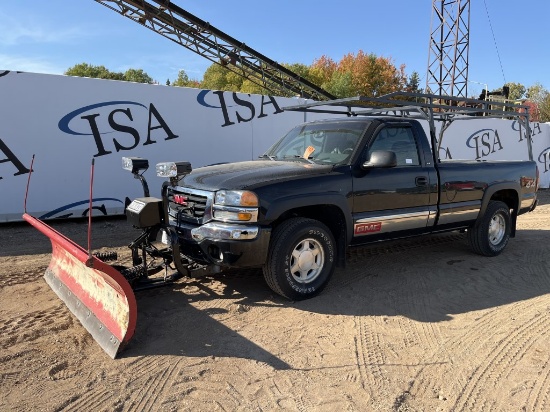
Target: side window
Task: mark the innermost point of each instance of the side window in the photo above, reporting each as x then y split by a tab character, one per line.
399	140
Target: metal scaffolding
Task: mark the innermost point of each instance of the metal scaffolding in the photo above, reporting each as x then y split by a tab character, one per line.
199	36
448	52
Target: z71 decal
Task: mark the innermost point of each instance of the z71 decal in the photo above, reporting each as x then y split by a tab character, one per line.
366	228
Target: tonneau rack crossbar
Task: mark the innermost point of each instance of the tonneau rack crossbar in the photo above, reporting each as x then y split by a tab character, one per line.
430	107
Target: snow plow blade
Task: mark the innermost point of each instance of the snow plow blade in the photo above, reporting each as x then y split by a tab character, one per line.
95	292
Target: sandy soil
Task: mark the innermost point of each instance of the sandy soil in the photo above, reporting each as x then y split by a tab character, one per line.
416	325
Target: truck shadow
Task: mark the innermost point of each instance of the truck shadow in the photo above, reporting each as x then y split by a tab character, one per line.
436	279
169	323
427	279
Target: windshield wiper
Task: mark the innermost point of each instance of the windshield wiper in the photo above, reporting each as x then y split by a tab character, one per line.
265	156
300	157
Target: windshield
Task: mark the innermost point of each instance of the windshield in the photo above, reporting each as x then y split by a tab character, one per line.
327	143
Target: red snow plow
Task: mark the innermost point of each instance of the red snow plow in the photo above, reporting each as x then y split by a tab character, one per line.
101	295
95	292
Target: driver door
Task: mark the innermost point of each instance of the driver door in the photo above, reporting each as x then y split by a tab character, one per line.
391	201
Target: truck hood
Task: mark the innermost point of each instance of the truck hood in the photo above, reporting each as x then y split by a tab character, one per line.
250	174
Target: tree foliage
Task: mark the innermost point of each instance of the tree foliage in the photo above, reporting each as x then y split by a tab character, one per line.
101	72
355	74
517	91
96	72
540	97
183	81
218	77
413	84
372	76
322	71
137	76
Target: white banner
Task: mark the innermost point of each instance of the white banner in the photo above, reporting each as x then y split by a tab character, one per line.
67	121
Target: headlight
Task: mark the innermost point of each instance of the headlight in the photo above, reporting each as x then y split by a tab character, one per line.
236	198
235	206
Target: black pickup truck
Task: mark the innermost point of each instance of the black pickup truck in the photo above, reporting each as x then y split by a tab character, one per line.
326	186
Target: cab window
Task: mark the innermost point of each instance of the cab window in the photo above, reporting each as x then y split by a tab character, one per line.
399	140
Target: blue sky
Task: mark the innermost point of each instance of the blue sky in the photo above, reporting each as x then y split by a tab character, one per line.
51	36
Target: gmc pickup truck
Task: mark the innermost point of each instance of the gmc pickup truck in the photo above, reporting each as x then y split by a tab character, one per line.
327	186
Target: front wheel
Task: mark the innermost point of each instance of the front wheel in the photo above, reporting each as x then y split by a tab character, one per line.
490	235
301	258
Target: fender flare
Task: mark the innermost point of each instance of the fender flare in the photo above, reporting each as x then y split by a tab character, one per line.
491	190
277	208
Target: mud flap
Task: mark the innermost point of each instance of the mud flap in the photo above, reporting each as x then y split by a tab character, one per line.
96	293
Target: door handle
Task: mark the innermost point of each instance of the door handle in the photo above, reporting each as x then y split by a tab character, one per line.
421	181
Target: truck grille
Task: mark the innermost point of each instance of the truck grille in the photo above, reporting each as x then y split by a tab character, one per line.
189	205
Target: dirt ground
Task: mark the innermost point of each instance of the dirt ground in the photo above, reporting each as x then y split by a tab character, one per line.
416	325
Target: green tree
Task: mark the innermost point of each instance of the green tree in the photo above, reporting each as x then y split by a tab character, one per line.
97	72
322	71
517	91
250	87
182	79
101	72
218	77
413	84
339	85
137	76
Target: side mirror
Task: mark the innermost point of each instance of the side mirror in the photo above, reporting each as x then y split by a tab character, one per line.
381	158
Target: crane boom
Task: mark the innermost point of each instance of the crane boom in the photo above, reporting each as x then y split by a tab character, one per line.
199	36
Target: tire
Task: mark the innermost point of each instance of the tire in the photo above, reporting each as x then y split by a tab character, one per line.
490	235
301	258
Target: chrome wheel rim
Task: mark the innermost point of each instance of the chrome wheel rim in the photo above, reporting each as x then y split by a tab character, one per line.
497	229
307	261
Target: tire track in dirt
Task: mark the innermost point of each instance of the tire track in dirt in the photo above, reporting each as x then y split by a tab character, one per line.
411	296
504	357
33	325
539	396
138	388
156	385
428	335
370	359
478	339
17	278
89	401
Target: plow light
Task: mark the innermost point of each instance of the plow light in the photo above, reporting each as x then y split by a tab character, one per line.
173	169
135	164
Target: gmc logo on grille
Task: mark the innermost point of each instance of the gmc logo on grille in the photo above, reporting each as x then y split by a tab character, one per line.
180	200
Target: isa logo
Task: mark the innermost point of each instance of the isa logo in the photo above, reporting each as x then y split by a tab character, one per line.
238	109
484	142
119	125
544	159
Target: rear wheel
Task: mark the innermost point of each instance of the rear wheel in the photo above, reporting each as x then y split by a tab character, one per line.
301	258
490	235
